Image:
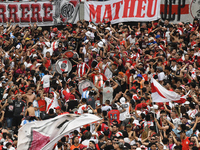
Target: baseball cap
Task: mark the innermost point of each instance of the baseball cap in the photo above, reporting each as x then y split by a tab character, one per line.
142	146
157	36
187	103
108	28
4	82
122	100
139	75
55	29
58	107
128	125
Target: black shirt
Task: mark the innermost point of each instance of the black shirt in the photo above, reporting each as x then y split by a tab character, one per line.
91	101
18	107
1	92
72	104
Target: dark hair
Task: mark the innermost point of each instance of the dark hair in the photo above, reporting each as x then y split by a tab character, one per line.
165	140
84	100
29	104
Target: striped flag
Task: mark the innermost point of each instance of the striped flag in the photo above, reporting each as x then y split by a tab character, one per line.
161	94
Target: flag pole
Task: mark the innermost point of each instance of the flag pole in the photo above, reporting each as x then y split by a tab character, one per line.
154	115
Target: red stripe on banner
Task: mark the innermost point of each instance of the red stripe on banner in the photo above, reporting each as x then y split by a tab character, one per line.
155	89
174	9
181	101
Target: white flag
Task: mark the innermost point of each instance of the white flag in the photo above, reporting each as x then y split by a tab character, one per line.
44	134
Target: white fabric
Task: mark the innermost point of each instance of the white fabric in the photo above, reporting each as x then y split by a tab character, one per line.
53	129
46	80
168	95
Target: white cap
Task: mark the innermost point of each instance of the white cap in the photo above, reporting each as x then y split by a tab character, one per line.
100	44
38	64
155	106
48	44
89	26
187	103
151	38
34	55
108	28
122	100
94	50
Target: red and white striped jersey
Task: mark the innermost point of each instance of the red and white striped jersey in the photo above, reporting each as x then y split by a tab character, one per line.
81	69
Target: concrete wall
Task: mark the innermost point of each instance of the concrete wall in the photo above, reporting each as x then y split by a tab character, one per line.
81	11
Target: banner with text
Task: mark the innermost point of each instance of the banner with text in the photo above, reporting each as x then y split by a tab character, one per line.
180	10
122	10
43	13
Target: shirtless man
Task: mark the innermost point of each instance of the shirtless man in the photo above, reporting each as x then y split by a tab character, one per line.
30	111
30	96
29	115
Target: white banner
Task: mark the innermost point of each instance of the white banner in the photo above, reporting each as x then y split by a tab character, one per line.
122	10
42	135
43	13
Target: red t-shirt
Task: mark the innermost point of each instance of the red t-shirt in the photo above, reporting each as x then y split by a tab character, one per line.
113	115
42	102
48	63
185	143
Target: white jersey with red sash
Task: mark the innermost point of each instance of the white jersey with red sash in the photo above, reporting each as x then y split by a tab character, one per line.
98	79
54	45
106	70
51	103
81	69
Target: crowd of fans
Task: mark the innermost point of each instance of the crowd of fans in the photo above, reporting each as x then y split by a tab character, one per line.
119	60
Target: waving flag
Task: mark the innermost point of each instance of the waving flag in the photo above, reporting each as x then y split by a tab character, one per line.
42	135
161	94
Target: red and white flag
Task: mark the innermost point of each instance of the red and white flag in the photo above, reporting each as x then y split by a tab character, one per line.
42	135
161	94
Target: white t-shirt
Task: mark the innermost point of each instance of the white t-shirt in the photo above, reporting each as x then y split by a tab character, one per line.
46	80
131	40
107	71
176	121
122	115
161	76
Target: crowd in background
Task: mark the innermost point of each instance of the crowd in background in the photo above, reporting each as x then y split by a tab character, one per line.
119	60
